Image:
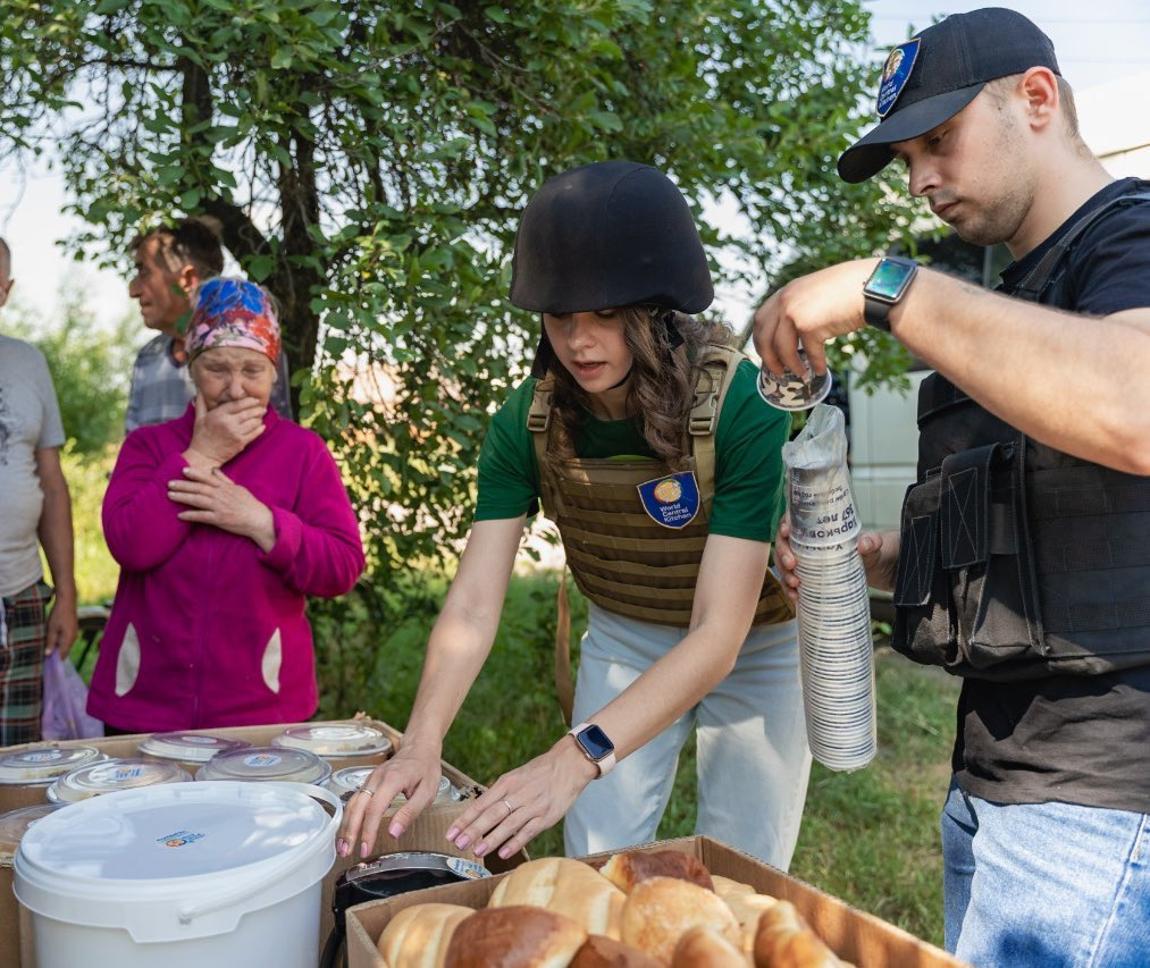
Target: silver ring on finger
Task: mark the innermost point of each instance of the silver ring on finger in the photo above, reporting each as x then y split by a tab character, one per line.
510	808
368	790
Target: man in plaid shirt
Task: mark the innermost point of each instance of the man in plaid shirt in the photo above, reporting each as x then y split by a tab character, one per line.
170	262
35	511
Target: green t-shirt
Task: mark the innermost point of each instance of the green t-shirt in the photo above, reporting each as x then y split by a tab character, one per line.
748	458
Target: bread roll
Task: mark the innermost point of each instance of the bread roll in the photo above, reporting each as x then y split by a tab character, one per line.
514	937
628	868
567	887
747	909
785	940
660	910
599	951
725	887
706	948
417	937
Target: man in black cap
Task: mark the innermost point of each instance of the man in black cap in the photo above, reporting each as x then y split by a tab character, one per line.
1023	560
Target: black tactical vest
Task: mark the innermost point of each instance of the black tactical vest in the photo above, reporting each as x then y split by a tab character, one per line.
1018	561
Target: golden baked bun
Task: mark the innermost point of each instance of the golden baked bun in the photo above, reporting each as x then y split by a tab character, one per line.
599	951
748	908
628	868
514	937
660	910
568	887
703	947
725	886
418	936
785	940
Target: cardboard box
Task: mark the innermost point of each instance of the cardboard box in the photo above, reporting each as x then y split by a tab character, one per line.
862	939
427	833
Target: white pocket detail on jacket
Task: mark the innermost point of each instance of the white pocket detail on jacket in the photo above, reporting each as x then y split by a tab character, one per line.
273	659
128	661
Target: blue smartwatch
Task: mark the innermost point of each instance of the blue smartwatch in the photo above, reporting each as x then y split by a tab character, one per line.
885	288
594	744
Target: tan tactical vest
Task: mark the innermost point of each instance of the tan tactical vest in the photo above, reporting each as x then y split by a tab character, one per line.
621	558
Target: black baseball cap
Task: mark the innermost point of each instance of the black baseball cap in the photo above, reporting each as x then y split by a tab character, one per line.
938	72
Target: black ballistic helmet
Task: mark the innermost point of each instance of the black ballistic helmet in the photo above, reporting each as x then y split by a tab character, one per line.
608	235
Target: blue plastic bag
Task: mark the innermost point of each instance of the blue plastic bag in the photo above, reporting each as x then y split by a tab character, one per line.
65	703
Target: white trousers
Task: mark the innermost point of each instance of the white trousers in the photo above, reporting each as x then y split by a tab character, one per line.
753	761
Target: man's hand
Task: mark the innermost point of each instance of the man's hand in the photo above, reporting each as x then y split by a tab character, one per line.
222	433
809	311
217	501
878	550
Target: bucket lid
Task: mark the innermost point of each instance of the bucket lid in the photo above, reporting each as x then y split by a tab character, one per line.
189	747
42	764
176	861
109	776
15	823
266	763
335	739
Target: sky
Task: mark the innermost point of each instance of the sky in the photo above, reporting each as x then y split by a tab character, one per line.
1096	43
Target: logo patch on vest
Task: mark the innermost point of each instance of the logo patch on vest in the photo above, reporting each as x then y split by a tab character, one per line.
671	501
895	74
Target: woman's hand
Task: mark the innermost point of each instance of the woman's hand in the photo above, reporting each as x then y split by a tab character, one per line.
414	771
221	433
217	501
524	802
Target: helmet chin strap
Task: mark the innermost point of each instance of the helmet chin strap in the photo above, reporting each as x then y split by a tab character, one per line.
626	377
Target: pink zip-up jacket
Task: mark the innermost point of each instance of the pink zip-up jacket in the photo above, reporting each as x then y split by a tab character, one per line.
207	630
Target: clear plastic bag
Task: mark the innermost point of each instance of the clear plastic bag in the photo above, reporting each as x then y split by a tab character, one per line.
65	703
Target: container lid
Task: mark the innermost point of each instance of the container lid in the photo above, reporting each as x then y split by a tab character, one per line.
42	764
266	763
189	747
108	776
15	823
335	739
177	861
351	778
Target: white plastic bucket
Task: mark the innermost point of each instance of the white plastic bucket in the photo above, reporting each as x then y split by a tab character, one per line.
190	875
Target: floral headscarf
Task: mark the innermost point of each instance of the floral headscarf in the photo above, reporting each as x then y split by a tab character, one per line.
233	312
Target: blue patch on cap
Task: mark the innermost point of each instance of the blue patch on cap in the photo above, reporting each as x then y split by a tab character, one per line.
895	74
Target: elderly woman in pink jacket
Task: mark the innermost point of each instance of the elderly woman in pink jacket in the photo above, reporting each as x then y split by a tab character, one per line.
223	522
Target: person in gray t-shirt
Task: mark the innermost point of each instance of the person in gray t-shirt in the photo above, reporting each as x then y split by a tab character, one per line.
171	261
35	507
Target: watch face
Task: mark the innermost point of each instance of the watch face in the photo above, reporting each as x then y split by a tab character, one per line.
890	279
595	742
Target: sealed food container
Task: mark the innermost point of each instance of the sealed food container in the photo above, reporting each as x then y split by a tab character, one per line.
15	823
345	782
195	748
259	763
336	739
40	765
111	776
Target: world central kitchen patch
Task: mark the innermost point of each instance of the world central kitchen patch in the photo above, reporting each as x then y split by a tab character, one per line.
671	501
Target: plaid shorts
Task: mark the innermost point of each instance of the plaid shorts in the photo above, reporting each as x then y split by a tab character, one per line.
22	664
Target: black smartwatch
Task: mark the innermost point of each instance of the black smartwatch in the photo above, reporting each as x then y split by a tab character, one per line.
885	288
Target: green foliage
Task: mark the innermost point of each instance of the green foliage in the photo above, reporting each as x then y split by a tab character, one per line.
91	369
87	477
368	163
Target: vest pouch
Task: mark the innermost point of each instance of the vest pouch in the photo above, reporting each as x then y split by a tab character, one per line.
986	556
923	625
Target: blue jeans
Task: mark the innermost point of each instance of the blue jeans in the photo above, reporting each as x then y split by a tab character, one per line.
1045	884
753	761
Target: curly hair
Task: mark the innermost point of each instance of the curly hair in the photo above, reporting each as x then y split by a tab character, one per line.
662	383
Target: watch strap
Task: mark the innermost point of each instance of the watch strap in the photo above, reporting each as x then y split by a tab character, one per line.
876	313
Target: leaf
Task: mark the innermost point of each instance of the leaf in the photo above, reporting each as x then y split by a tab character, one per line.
281	58
107	7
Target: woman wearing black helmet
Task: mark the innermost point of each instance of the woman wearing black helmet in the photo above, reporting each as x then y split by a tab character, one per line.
642	434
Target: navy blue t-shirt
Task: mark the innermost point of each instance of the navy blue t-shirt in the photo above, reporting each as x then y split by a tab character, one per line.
1074	739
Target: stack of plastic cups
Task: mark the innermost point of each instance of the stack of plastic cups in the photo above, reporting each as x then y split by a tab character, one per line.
836	650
